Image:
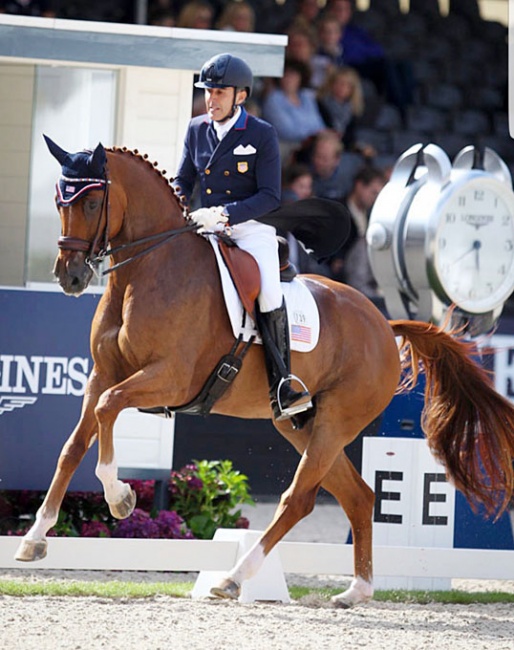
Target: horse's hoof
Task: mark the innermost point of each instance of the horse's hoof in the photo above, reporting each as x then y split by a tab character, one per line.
359	592
340	603
31	550
125	507
227	589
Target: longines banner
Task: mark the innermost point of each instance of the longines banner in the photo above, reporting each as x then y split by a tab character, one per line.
44	365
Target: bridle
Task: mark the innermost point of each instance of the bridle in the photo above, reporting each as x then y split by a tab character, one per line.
83	245
98	249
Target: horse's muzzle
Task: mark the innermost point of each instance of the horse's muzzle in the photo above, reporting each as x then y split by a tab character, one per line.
72	272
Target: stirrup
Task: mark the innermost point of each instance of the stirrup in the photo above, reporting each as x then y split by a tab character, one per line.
284	413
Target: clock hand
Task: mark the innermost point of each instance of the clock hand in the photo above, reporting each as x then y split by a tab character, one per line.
476	247
473	247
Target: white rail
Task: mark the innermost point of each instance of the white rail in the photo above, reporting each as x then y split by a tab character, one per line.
295	557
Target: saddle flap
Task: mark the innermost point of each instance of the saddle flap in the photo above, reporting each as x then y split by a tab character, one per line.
244	272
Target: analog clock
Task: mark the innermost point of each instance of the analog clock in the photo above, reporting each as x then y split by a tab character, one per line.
441	236
472	258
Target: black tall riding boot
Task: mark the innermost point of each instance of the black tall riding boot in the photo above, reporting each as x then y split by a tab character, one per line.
285	400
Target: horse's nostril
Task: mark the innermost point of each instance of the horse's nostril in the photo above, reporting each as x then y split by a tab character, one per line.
74	282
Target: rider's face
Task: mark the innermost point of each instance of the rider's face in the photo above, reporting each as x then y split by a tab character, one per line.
219	102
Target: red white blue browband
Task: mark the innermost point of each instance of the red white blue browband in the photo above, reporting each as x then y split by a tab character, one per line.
70	189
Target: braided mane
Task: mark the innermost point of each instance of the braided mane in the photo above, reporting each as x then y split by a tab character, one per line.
154	167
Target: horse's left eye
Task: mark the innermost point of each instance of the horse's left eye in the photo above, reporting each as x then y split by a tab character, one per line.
91	205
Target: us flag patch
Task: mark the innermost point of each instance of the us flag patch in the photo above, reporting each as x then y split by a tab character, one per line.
301	333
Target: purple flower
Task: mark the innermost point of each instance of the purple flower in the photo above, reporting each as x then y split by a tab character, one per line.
242	522
194	483
172	526
145	493
94	529
139	524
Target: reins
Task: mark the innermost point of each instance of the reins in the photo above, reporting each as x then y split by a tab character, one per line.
94	262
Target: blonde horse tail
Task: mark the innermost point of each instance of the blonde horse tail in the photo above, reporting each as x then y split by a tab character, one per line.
468	425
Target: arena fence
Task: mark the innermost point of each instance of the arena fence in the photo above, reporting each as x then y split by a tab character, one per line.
219	555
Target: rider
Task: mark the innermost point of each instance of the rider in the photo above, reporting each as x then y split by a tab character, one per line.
235	157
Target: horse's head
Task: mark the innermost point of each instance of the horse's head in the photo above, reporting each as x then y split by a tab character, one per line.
82	203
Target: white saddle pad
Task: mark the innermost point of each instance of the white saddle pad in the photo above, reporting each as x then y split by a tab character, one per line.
302	310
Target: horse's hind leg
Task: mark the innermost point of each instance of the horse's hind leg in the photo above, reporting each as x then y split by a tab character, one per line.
357	500
321	449
34	545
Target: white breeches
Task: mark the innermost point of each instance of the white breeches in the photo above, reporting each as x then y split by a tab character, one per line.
260	240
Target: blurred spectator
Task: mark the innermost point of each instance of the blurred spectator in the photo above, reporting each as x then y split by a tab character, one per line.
351	264
292	108
393	80
330	35
341	103
307	11
302	45
237	16
296	182
332	171
358	47
196	14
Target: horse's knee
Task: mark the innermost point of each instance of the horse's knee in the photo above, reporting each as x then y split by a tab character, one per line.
109	405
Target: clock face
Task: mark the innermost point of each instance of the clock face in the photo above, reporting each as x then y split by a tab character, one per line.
473	252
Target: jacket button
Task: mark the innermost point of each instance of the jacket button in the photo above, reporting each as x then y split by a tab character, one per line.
228	192
226	172
207	171
208	191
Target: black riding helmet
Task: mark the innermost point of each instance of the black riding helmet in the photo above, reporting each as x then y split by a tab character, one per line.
226	71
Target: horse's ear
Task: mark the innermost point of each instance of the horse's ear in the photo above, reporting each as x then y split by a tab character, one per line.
56	151
98	160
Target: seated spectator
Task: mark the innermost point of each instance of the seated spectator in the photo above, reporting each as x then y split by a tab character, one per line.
296	182
292	107
330	34
332	170
307	11
351	264
393	80
341	103
196	14
302	46
237	16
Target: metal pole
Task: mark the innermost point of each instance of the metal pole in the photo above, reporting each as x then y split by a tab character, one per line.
141	12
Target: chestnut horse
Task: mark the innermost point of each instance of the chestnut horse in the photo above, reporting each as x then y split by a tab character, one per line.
162	326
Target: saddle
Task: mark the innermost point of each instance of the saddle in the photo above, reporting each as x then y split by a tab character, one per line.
245	273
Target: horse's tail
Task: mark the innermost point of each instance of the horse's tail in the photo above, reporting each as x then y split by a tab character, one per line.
468	425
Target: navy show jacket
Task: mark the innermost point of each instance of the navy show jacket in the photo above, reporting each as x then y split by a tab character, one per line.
242	172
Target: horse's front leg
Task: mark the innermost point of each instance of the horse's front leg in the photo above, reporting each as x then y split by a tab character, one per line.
142	389
34	545
120	497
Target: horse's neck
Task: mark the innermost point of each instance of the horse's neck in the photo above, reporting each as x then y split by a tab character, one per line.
150	206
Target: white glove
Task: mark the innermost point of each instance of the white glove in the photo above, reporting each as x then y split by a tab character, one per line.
210	219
